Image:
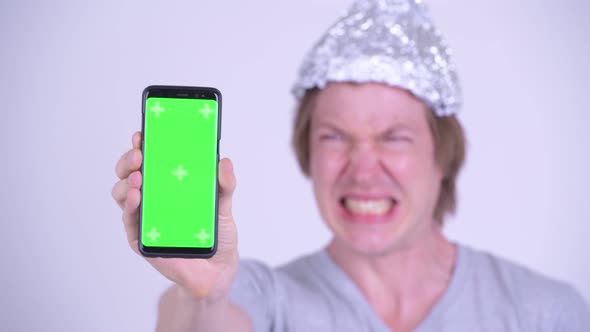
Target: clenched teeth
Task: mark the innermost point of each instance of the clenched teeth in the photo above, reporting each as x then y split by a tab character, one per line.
368	207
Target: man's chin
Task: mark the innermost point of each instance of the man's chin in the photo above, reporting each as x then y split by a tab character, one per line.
379	245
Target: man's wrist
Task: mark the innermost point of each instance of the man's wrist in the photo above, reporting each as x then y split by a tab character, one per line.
187	298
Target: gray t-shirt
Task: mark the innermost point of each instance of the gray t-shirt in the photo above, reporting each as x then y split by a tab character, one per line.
485	293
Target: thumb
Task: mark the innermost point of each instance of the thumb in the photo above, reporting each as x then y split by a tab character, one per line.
227	185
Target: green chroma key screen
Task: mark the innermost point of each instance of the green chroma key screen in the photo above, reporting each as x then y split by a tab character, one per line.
179	172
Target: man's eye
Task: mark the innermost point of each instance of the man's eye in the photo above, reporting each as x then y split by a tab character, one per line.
397	138
331	137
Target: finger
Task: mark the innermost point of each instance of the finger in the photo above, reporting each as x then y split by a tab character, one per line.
120	188
119	192
227	185
135	180
227	245
136	140
129	162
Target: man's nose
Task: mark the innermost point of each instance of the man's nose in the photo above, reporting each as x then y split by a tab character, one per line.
364	162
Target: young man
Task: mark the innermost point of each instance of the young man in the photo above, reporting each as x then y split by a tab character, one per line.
376	133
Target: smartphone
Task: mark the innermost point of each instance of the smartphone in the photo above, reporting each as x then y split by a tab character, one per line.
181	129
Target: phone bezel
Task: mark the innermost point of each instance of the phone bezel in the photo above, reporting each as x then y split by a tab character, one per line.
189	92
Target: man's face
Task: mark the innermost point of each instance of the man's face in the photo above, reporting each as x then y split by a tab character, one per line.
372	166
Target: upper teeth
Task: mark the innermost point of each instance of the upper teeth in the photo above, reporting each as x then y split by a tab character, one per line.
368	206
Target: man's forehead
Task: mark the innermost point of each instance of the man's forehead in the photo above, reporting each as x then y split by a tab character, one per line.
370	102
371	122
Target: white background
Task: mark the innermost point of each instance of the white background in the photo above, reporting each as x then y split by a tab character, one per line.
71	76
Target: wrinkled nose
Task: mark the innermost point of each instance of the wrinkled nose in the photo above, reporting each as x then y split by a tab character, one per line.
364	163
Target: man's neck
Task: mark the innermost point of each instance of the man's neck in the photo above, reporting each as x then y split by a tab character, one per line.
403	284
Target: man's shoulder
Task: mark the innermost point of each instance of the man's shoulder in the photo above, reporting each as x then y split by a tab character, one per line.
530	293
514	278
302	263
298	268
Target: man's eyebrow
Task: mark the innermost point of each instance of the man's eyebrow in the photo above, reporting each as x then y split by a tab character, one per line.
330	126
397	128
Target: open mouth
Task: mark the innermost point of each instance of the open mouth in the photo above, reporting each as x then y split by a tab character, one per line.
368	207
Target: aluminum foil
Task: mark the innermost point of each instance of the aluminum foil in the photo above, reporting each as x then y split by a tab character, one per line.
387	41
